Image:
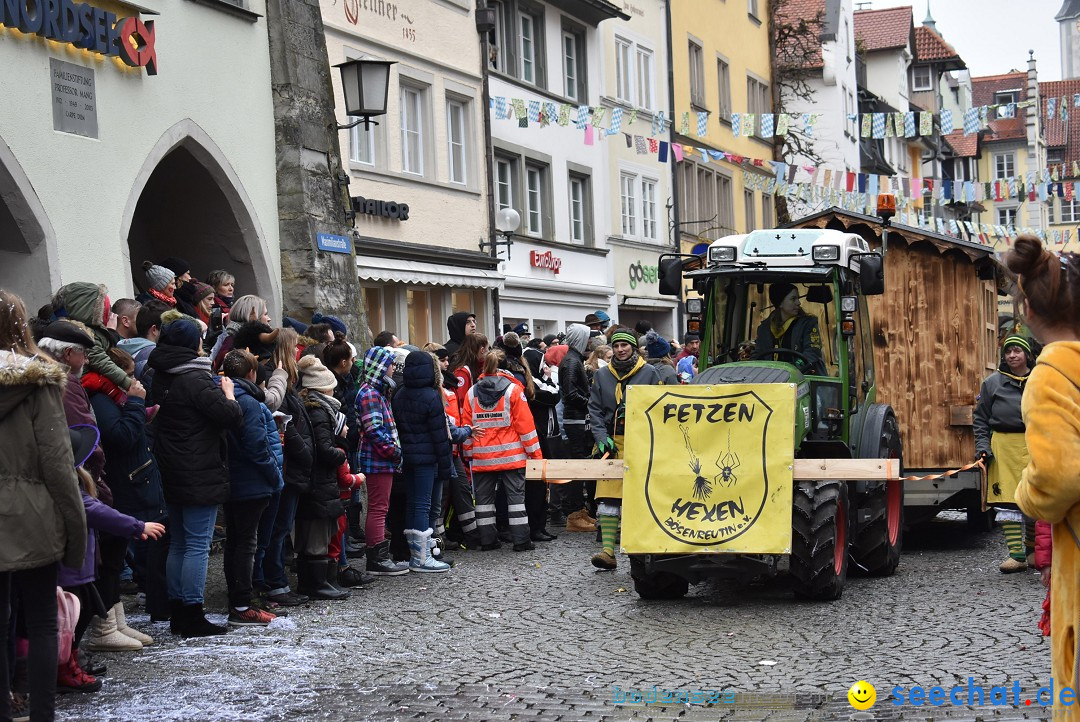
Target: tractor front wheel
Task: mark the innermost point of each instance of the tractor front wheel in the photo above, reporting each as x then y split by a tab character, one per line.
876	546
657	585
819	539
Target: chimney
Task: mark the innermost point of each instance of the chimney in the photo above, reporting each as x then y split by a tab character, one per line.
1036	148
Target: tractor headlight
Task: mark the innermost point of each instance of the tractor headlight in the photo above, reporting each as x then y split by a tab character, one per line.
826	253
849	304
722	254
694	306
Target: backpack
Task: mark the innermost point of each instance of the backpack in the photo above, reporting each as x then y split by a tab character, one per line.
68	608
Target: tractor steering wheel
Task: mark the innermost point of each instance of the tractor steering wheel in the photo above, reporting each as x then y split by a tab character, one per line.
812	365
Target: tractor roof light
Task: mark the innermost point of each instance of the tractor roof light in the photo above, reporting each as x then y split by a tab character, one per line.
826	253
886	206
722	254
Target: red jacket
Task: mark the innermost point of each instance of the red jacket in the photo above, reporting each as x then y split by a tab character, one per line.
1044	550
498	405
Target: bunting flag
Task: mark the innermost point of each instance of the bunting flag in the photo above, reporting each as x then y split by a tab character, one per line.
654	145
1050	106
519	110
866	120
534	111
781	124
926	123
909	124
702	124
809	120
748	121
582	117
890	125
564	114
662	152
658	123
588	135
767	121
684	125
550	113
598	116
1064	106
640	145
616	121
736	124
946	122
971	121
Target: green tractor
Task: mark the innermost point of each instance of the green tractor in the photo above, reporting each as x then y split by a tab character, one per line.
836	525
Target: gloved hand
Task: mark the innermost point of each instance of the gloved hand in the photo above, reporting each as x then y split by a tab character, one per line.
984	457
607	446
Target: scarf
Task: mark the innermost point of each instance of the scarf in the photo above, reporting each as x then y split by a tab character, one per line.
199	363
331	405
170	300
622	371
779	329
1020	379
94	382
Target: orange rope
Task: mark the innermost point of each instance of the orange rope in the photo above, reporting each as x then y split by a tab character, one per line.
946	474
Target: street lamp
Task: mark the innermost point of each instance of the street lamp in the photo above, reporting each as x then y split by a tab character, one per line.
507	221
365	84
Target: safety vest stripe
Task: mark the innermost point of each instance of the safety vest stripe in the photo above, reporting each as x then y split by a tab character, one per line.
532	447
513	446
497	461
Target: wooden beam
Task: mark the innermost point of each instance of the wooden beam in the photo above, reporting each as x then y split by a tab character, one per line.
560	470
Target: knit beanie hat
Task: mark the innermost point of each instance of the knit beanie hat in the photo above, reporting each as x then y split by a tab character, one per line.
177	265
511	344
332	321
202	290
313	375
778	292
181	332
624	336
158	276
1017	341
656	346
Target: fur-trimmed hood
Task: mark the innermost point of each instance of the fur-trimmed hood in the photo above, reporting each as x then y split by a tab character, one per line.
20	375
82	301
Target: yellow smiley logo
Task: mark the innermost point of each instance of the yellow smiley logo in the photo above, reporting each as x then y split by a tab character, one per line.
862	695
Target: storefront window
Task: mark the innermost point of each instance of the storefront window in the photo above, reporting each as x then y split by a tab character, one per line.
373	304
419	302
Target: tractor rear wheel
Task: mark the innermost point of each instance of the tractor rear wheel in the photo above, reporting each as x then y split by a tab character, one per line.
657	585
875	547
819	539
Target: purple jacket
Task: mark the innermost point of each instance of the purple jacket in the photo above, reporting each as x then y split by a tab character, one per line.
99	517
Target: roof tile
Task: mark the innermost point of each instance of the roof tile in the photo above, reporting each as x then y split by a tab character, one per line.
964	146
805	10
884	29
984	91
1064	134
929	45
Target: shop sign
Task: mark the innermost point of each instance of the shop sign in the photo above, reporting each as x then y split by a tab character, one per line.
74	106
640	273
333	244
386	209
85	26
545	260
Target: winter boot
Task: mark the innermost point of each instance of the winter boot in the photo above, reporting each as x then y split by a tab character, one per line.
105	637
380	564
332	576
354	578
579	521
70	677
195	624
123	628
312	574
420	555
176	608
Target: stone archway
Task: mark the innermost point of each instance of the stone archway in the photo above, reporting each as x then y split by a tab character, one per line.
28	258
187	201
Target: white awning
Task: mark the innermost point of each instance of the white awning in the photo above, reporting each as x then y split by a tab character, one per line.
640	302
370	268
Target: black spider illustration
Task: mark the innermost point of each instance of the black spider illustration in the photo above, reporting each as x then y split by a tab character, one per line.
702	486
727	463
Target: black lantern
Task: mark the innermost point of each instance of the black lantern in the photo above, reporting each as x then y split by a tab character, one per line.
365	84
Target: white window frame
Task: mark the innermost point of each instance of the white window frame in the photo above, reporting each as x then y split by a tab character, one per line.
649	224
571	65
723	87
1070	211
1004	165
578	188
624	76
758	101
696	55
752	9
1007	216
644	75
505	183
409	133
628	203
527	61
929	80
749	210
461	143
534	200
767	220
357	137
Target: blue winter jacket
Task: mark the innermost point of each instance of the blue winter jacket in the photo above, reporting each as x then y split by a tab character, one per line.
421	417
131	471
255	455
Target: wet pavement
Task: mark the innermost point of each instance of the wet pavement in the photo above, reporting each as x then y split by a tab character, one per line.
543	636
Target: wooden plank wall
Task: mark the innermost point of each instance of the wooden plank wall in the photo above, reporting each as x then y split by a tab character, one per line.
930	349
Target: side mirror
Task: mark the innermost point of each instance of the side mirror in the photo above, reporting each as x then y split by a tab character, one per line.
872	274
671	281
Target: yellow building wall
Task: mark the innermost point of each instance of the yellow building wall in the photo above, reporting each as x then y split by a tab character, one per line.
724	28
987	173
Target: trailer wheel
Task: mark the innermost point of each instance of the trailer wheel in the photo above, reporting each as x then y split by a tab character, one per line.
819	540
657	585
876	545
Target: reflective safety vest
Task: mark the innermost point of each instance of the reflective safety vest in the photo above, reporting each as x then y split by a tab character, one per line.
510	433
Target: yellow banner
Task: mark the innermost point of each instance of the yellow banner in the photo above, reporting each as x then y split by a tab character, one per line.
708	469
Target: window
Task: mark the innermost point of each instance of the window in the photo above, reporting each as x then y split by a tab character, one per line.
725	202
697	75
571	69
497	38
1004	165
580	208
645	78
628	203
1070	211
648	209
707	202
1050	210
1004	97
851	115
921	78
752	8
767	211
723	82
623	77
758	100
534	199
362	145
1006	216
412	130
505	192
527	48
456	131
751	215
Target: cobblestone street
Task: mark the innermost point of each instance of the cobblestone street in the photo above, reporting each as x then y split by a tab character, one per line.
542	636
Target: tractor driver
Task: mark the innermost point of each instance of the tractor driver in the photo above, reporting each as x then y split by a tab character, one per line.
790	327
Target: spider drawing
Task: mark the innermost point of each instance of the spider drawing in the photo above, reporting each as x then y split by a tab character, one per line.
702	486
727	463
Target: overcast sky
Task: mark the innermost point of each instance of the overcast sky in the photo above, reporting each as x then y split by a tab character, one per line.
994	36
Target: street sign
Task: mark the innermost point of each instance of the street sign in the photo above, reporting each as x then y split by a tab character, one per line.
333	244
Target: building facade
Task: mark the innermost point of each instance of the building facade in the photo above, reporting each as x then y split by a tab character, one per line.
112	155
544	57
417	180
640	202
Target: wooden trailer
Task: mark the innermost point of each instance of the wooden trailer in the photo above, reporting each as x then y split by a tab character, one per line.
935	334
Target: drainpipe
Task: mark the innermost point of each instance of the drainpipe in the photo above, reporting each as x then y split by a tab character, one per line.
676	229
485	103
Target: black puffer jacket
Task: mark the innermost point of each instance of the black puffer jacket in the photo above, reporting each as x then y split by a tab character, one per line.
574	386
545	397
420	416
299	446
189	440
322	501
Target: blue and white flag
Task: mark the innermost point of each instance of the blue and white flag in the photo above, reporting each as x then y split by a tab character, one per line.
702	124
878	125
909	124
971	121
582	117
616	121
767	121
946	122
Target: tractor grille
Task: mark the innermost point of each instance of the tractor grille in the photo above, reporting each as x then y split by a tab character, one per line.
743	375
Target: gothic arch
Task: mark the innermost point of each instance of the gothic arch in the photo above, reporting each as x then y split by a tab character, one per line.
28	256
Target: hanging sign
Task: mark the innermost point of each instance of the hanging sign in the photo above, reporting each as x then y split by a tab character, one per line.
546	260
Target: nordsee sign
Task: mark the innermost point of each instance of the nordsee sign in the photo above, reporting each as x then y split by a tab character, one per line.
85	26
331	243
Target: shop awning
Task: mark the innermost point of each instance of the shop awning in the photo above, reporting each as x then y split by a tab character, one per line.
370	268
639	302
